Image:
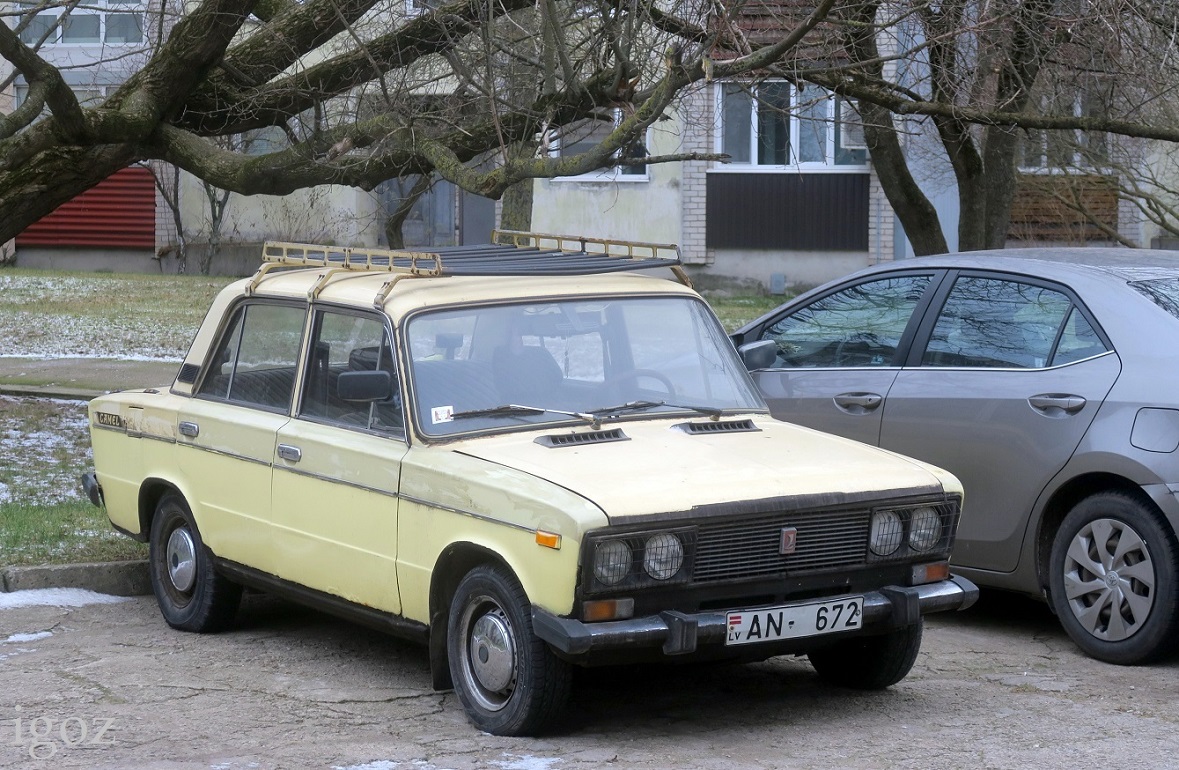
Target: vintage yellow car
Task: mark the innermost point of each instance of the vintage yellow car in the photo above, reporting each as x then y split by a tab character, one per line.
529	456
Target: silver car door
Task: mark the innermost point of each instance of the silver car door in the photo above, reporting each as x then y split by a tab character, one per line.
1011	376
837	356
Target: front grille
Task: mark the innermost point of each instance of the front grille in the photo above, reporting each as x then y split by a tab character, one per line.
748	547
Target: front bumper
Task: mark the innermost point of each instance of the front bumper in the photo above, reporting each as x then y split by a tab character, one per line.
679	633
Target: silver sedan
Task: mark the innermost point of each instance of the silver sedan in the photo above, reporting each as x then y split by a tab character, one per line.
1047	380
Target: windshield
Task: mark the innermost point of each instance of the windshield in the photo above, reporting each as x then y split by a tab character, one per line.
504	366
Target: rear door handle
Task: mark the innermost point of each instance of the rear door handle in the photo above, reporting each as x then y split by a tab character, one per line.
190	429
1050	403
858	403
291	453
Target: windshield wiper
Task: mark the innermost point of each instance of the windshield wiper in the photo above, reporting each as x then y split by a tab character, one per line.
512	410
638	406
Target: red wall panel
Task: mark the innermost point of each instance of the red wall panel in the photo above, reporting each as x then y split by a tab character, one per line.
118	212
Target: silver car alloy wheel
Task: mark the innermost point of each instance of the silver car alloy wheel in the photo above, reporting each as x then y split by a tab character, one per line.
1109	579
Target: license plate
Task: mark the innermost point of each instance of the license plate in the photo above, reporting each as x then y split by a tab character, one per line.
795	621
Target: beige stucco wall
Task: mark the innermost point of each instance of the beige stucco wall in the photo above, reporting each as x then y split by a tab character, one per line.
627	209
333	215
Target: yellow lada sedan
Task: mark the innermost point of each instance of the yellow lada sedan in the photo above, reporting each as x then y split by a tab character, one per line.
527	456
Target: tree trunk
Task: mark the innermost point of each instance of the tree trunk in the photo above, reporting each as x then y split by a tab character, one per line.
517	199
393	234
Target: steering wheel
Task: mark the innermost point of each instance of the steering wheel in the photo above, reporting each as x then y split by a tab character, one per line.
637	374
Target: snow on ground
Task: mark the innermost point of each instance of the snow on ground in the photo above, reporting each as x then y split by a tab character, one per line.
56	597
22	638
43	451
124	335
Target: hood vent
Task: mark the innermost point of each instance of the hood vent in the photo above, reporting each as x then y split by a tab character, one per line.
720	426
578	439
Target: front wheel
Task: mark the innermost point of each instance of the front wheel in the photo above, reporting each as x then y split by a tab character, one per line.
508	680
870	662
1112	579
191	594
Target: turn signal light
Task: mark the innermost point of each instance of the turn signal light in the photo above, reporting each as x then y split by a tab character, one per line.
548	539
929	573
607	609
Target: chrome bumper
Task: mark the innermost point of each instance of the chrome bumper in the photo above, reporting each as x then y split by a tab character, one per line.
680	633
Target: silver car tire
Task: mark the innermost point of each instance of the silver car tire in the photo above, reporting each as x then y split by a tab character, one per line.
508	680
1112	579
191	594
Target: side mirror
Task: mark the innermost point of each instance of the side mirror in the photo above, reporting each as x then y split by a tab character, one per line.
364	386
758	355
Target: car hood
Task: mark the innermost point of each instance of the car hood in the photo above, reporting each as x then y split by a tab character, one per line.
661	468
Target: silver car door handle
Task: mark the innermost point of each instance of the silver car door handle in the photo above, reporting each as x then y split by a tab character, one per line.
292	453
859	401
1062	401
190	429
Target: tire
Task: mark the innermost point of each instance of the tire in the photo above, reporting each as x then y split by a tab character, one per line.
870	662
191	594
1112	579
508	680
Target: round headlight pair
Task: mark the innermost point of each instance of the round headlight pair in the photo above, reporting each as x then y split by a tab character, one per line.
663	555
888	531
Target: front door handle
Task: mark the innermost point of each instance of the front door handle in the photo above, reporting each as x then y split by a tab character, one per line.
858	403
190	429
1055	403
291	453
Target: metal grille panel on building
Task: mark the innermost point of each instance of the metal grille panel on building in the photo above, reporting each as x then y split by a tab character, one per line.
118	212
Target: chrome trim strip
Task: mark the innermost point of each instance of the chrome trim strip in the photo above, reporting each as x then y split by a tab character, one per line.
230	455
333	480
461	512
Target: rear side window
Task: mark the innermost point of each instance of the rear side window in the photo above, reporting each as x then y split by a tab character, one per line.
255	360
998	323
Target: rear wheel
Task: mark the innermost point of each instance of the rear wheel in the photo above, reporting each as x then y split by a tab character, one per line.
870	662
1113	579
508	680
191	594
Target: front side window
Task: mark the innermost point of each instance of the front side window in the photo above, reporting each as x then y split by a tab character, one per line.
858	326
997	323
777	124
255	360
341	345
514	366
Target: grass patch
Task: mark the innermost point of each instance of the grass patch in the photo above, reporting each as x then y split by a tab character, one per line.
68	532
737	310
119	315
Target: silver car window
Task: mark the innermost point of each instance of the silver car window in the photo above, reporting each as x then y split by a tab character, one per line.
861	325
995	323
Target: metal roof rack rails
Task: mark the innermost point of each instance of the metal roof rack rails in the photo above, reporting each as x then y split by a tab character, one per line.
510	252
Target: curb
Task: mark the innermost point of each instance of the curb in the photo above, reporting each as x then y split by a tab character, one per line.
118	578
51	391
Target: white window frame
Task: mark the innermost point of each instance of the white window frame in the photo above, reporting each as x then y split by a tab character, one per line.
611	173
99	8
1075	164
827	166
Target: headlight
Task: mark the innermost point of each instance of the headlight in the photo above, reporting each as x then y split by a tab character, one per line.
925	529
887	532
663	556
612	561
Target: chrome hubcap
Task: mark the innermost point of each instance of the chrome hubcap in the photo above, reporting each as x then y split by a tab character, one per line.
181	556
1109	580
492	655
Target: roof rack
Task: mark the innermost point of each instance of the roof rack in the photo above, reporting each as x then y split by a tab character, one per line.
511	252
